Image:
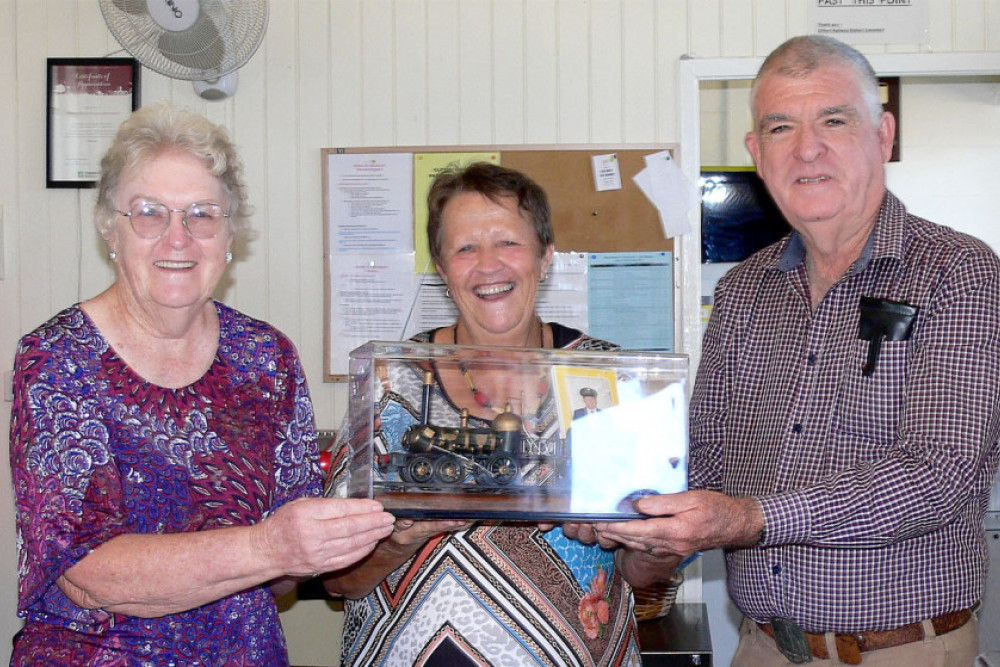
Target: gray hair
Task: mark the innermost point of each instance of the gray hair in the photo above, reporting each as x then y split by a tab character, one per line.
801	56
156	129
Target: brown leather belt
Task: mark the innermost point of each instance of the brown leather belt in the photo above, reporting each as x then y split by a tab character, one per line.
851	646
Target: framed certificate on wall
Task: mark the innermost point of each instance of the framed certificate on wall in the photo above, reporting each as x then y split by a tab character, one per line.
88	98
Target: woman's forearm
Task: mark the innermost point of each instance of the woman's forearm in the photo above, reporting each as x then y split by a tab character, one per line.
641	570
154	575
151	575
358	580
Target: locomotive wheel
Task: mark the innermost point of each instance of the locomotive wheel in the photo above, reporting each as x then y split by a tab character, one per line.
503	469
449	470
420	469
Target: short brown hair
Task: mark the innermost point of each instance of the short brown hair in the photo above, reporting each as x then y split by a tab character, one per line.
495	183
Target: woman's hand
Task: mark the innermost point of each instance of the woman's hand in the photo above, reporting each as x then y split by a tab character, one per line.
309	536
406	538
587	533
406	532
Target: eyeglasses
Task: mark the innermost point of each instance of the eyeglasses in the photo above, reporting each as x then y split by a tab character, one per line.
151	219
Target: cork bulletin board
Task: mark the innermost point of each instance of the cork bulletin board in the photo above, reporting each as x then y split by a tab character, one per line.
584	219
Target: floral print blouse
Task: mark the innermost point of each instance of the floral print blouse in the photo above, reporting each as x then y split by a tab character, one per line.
96	452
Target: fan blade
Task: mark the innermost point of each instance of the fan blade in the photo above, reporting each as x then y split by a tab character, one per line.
199	47
131	6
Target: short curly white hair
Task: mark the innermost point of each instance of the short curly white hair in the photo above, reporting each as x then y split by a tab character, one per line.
161	127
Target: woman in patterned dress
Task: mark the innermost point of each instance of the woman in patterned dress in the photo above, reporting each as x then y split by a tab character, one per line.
452	593
163	444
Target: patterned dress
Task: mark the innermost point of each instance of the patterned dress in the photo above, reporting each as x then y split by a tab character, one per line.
96	452
497	593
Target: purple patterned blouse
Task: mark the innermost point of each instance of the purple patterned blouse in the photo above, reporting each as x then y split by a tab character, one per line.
96	451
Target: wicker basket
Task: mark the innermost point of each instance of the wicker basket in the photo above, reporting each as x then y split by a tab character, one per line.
656	601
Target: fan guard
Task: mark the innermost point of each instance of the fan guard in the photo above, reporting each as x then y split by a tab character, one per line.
192	40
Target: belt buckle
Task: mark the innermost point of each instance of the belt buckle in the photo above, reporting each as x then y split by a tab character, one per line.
791	640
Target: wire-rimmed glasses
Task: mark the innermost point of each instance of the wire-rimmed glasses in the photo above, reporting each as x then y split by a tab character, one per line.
150	219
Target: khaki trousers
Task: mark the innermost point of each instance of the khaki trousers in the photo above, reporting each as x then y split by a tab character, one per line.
957	648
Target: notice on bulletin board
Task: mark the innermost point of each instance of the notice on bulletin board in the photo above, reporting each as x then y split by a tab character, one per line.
872	21
631	298
371	299
370	202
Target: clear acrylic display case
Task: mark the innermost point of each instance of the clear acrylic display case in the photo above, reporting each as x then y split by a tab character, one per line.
427	441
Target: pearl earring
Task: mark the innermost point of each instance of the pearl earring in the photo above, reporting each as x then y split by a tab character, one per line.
229	257
112	255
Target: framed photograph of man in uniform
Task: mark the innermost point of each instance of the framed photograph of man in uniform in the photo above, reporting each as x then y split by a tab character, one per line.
582	391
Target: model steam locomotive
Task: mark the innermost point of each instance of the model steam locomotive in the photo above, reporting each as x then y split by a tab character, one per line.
501	455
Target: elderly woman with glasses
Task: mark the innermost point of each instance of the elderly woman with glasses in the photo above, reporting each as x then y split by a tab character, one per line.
162	444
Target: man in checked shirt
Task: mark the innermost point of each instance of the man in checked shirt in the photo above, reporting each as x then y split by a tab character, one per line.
845	417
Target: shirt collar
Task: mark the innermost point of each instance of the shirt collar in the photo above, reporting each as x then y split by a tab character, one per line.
885	240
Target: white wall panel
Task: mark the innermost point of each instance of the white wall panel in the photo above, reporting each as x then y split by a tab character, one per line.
992	21
378	77
444	98
283	287
345	128
671	18
541	72
942	27
249	270
797	13
312	104
606	76
770	25
63	38
410	89
65	232
574	72
475	73
62	21
737	34
508	72
705	29
638	70
346	121
970	25
95	40
33	241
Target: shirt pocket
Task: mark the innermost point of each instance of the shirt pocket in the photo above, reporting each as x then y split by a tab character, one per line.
867	409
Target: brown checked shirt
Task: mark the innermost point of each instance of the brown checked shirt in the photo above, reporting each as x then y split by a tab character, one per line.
873	488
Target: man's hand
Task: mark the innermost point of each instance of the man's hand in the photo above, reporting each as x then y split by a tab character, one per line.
683	523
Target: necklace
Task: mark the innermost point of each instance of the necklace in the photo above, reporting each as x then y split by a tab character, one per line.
482	399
